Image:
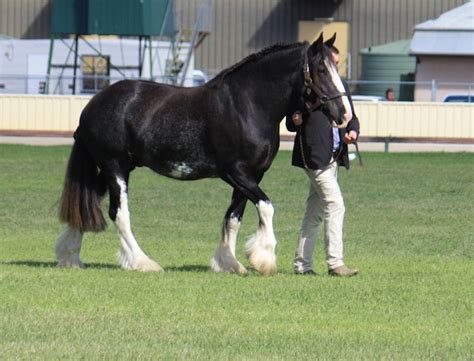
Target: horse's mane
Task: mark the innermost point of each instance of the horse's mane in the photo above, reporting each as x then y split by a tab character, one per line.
252	58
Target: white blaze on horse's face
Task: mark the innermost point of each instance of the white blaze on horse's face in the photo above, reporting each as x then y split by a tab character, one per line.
336	80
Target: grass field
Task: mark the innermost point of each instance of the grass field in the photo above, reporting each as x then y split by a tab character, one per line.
409	228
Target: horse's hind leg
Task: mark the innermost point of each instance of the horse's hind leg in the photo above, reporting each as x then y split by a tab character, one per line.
131	256
68	248
224	259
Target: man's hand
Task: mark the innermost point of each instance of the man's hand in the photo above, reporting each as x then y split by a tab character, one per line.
297	118
350	137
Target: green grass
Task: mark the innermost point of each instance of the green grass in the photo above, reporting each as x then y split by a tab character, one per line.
409	228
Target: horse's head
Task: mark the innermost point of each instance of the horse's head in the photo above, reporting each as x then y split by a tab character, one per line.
323	86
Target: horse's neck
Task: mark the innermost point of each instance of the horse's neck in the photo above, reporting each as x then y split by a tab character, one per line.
275	82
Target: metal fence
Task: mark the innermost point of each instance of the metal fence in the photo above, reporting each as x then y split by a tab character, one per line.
373	89
64	85
410	90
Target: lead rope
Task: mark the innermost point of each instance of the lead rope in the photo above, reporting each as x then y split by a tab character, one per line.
358	153
301	147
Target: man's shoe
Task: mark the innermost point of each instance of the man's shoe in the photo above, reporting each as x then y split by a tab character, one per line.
307	273
343	271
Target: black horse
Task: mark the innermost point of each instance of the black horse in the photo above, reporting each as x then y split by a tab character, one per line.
227	128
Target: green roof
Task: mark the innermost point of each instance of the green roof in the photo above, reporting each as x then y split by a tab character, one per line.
400	47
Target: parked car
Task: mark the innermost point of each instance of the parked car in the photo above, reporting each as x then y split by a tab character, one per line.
199	78
459	98
367	98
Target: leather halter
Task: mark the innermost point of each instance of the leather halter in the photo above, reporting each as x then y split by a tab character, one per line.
309	87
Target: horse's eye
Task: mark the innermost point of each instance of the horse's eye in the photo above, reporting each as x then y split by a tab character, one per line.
321	71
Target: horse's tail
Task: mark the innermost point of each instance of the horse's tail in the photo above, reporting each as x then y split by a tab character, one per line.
83	187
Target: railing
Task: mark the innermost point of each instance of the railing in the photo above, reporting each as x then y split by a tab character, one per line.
64	85
410	90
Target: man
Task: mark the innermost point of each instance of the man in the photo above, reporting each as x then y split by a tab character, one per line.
390	95
320	149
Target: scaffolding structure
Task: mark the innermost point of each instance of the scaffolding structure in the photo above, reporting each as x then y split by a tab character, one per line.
145	20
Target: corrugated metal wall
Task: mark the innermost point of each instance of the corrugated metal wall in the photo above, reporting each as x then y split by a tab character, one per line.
26	19
242	27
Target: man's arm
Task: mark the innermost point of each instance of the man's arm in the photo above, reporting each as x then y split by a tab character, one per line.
353	127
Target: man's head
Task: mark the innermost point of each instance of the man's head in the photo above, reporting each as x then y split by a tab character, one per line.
336	58
390	95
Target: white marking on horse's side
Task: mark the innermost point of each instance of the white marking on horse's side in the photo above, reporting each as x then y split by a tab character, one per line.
260	248
68	248
180	170
224	258
336	80
131	255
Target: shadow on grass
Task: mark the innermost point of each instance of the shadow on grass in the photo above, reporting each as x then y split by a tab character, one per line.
195	268
41	264
189	268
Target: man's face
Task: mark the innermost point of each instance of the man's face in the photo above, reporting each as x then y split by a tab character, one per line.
335	59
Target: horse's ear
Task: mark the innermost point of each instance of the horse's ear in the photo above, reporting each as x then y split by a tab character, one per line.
316	46
329	43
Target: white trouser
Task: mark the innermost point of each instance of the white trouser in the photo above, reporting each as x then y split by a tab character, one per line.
324	203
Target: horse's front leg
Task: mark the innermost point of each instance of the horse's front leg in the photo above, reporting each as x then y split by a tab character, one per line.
260	248
224	259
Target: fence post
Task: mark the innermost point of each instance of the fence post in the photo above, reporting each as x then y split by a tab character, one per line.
387	142
433	90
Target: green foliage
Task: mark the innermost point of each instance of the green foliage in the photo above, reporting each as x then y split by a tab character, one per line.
408	228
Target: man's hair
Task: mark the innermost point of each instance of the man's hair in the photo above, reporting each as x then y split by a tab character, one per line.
334	50
388	91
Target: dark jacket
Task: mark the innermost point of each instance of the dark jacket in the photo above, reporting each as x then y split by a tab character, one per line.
316	133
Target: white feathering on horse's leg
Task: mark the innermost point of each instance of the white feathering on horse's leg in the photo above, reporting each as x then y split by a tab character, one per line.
260	248
131	256
224	258
68	248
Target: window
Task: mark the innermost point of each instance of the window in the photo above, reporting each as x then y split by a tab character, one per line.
95	72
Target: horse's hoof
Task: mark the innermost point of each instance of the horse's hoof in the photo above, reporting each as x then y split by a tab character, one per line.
233	267
148	265
264	263
140	264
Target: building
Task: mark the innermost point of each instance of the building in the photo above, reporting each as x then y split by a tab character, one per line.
24	65
241	27
445	55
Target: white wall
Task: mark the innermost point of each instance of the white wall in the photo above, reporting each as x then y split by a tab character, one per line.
46	113
16	61
444	69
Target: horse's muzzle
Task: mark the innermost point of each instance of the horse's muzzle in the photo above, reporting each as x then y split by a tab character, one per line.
345	120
